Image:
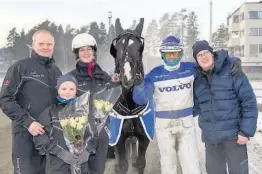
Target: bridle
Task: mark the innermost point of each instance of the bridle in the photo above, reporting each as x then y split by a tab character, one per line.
137	69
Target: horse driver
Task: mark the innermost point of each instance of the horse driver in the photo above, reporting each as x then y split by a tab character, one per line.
171	87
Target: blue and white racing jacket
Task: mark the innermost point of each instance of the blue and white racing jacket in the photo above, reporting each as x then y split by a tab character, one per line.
172	91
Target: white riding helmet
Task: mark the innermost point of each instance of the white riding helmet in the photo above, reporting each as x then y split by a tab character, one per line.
83	39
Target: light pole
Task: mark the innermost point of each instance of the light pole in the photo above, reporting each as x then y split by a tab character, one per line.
109	20
210	21
183	18
30	49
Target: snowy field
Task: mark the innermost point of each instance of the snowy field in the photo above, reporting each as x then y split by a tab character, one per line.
257	86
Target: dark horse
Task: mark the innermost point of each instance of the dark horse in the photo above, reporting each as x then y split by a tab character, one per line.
127	50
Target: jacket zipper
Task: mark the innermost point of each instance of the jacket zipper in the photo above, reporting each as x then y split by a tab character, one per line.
209	85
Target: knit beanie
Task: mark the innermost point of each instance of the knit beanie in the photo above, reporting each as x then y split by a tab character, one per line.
201	45
65	78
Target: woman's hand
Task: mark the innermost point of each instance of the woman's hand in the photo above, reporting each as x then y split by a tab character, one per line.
115	78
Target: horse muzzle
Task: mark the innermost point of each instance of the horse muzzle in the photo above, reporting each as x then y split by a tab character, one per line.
127	75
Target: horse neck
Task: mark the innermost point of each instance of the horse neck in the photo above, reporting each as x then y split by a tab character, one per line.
127	96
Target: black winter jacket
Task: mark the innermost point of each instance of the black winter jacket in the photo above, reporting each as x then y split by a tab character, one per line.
99	80
28	88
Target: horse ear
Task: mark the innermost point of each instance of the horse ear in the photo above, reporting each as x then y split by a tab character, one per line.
139	27
118	27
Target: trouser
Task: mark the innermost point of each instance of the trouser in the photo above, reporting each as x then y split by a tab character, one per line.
227	153
97	162
25	157
177	137
111	152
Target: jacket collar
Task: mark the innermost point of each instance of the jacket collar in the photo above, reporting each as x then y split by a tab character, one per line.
48	61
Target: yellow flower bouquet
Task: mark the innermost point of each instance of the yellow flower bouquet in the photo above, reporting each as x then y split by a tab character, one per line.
103	101
73	127
102	108
73	119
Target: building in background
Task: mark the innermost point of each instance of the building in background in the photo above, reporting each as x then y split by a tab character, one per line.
245	37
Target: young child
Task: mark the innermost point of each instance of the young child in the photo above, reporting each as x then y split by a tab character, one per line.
52	143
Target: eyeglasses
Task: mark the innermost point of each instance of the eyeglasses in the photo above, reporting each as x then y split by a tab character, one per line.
203	54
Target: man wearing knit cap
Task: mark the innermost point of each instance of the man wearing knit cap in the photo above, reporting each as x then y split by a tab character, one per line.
171	87
227	110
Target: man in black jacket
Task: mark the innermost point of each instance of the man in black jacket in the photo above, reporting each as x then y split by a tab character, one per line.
28	88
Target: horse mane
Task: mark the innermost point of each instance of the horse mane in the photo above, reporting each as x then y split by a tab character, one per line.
129	31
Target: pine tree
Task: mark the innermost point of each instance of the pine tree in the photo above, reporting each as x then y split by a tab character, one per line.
165	25
60	49
152	42
133	26
220	37
103	36
95	32
12	39
70	32
192	35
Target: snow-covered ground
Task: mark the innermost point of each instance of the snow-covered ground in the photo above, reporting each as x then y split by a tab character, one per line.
257	86
255	149
259	123
1	81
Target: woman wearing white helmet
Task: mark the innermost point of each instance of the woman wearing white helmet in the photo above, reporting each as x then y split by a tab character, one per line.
91	78
84	45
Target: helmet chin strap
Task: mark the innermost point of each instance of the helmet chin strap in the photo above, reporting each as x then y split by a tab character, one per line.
171	68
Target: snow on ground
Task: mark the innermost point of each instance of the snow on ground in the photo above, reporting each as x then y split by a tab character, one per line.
255	149
259	123
257	86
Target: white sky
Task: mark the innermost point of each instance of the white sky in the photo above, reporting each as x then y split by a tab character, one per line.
27	13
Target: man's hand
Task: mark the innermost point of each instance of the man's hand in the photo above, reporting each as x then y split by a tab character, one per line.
92	145
36	128
241	140
115	78
139	80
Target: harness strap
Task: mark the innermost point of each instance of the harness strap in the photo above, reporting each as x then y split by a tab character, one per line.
145	111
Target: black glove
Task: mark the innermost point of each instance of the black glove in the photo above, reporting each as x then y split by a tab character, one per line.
92	145
83	158
138	80
236	68
67	157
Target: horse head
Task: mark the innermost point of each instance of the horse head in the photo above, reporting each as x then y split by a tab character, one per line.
127	49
